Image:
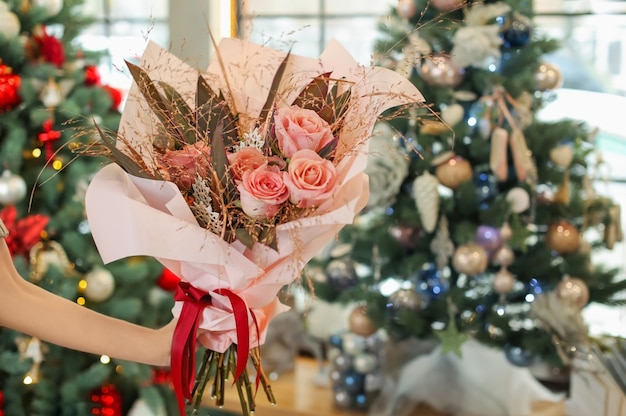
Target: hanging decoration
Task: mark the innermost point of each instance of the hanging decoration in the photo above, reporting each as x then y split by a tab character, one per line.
426	198
9	87
9	22
31	348
46	254
25	232
12	188
48	137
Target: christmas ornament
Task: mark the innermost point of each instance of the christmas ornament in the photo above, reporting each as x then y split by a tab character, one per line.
486	188
100	285
517	31
52	7
430	282
51	95
341	274
404	299
525	168
470	259
563	193
442	246
9	87
168	281
562	155
573	291
434	127
45	254
447	5
438	70
50	48
453	171
355	373
116	96
452	114
498	162
92	75
405	235
23	233
503	281
107	401
489	238
548	77
406	9
426	198
517	356
360	323
9	23
31	348
504	256
506	232
47	137
563	237
518	199
12	188
613	226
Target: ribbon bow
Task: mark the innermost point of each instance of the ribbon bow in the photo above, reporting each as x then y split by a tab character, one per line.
183	356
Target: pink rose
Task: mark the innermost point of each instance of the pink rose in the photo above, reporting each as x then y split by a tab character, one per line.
248	158
311	179
297	128
262	191
182	166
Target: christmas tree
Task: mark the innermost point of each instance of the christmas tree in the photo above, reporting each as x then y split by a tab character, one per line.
51	95
478	208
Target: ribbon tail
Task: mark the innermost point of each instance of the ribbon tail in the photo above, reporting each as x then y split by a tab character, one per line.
180	358
240	311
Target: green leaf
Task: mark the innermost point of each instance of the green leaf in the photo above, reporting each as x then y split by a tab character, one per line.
267	236
180	112
245	237
313	96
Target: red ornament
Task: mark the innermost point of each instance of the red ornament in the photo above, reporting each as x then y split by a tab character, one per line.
9	88
116	96
23	233
168	281
161	376
107	401
50	48
48	137
92	75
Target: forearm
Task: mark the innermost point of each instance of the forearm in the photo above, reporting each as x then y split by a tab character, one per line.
30	309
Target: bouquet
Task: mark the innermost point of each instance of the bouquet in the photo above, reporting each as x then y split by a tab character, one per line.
234	178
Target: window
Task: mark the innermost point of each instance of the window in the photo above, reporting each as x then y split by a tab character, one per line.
309	26
121	30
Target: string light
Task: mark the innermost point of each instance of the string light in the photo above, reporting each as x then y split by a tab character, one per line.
36	152
28	380
105	359
80	301
57	165
82	284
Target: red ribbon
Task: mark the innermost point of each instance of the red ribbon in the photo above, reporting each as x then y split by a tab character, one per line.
183	356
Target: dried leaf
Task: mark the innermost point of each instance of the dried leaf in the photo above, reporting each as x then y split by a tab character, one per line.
221	167
245	237
125	162
181	112
313	96
212	109
271	96
156	101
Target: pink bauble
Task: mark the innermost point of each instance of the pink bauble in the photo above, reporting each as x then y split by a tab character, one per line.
407	9
470	259
503	282
439	71
447	5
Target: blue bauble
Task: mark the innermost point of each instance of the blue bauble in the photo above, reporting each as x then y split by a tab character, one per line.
486	189
336	341
430	282
354	382
518	32
535	286
518	356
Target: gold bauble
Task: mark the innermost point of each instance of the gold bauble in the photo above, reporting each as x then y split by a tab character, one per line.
360	323
574	291
454	171
548	77
439	71
470	259
503	282
563	238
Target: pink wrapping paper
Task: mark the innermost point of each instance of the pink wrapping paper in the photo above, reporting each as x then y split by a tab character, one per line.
133	216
